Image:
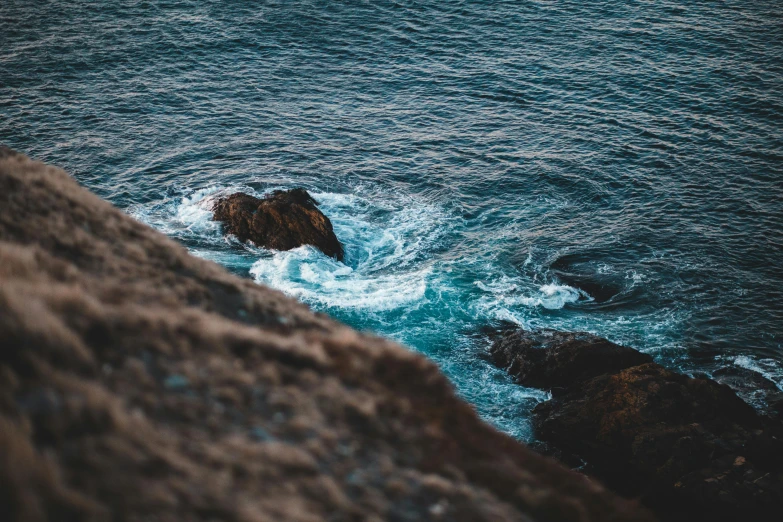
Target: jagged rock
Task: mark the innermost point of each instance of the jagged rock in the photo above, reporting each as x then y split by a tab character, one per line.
688	447
554	360
140	383
283	220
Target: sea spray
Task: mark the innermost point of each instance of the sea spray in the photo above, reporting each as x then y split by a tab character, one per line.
399	280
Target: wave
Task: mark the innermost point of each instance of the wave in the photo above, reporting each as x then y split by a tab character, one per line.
311	276
184	218
386	264
413	272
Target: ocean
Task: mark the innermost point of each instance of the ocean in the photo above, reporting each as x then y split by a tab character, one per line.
612	167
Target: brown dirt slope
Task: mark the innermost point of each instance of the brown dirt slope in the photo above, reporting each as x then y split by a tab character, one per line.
140	383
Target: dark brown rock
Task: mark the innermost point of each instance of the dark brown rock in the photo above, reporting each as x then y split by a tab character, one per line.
554	360
283	220
688	447
140	383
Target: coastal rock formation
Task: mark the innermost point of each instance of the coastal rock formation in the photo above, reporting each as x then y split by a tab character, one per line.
283	220
688	447
555	360
140	383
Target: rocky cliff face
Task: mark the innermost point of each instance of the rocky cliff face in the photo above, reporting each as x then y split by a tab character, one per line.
140	383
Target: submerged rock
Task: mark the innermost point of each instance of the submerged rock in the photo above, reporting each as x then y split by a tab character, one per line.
138	382
688	447
752	386
283	220
578	271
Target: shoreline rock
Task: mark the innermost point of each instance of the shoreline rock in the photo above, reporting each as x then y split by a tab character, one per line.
283	220
687	447
555	360
138	382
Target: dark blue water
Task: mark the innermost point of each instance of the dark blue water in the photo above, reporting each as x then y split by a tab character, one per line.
615	167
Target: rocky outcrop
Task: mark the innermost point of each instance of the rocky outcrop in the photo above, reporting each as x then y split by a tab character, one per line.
140	383
688	447
283	220
555	360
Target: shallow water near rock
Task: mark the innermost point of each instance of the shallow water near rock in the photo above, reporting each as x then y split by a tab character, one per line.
610	168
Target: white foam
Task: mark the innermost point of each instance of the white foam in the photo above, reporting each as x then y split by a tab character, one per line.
507	302
387	256
769	368
394	280
502	285
308	274
556	296
183	218
195	212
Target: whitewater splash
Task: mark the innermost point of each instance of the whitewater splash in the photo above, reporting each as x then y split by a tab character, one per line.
309	275
390	256
504	301
400	279
386	264
393	281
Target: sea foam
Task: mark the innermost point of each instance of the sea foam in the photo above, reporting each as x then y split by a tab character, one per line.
399	279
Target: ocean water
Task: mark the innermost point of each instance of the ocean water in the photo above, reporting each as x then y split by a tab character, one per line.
614	167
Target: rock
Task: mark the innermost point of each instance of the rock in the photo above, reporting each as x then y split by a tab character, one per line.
283	220
140	383
689	448
671	439
554	360
577	270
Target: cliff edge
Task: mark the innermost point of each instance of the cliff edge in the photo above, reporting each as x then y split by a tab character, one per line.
139	382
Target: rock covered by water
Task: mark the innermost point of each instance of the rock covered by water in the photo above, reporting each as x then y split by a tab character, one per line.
688	447
753	386
283	220
139	382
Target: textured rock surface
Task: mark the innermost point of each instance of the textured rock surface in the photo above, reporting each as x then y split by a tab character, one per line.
140	383
284	220
689	447
555	360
